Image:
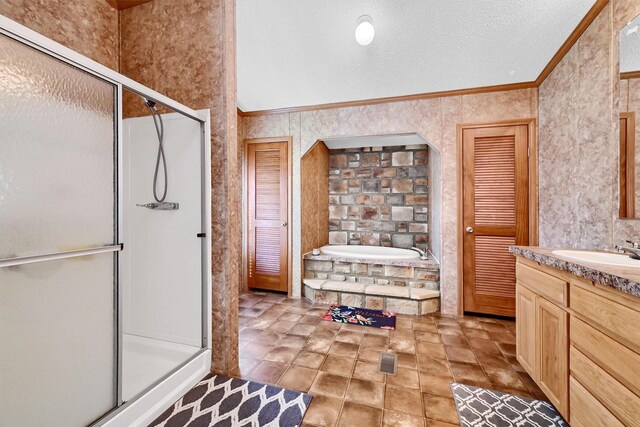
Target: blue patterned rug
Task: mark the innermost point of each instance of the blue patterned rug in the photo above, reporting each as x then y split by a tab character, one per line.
479	407
361	316
222	401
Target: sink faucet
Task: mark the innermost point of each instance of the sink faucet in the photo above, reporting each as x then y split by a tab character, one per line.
633	250
423	254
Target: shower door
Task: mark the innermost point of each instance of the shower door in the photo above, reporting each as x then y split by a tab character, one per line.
58	241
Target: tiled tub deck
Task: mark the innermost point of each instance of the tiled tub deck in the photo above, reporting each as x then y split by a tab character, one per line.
402	286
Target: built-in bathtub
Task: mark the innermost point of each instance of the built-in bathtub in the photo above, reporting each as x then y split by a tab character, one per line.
375	277
369	252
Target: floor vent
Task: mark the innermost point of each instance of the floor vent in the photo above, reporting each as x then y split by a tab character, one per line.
388	363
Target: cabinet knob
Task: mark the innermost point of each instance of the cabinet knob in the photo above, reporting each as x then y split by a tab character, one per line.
469	229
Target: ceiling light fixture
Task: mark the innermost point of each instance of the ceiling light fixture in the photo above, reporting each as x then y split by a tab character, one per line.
364	30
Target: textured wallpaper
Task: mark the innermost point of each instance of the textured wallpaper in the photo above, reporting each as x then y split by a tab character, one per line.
578	140
89	27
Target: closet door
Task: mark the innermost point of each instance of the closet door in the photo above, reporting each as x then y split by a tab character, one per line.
57	241
495	215
268	213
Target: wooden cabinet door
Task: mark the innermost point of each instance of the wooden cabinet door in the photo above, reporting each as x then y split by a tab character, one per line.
526	329
495	209
267	206
553	354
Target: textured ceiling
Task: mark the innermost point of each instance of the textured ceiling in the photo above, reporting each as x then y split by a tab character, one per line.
301	52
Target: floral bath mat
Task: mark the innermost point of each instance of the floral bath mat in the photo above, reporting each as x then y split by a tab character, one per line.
361	316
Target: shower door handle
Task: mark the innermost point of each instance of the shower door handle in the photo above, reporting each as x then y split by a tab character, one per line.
283	224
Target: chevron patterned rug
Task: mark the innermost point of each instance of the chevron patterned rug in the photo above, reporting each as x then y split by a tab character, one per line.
487	408
222	401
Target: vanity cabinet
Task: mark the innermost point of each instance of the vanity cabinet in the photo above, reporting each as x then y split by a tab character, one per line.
580	342
542	332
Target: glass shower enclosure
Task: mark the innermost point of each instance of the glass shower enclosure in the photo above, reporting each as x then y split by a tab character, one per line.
103	282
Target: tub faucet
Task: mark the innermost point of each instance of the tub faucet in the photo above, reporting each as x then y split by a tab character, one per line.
633	250
423	254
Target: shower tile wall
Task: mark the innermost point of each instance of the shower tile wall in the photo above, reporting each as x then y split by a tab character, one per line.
378	196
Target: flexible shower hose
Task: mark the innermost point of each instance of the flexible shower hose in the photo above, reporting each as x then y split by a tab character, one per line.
159	125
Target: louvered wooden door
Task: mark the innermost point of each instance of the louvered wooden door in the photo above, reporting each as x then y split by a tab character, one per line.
495	213
267	203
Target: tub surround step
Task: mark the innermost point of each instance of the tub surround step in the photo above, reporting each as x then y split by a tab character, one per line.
387	291
398	299
420	294
332	285
314	283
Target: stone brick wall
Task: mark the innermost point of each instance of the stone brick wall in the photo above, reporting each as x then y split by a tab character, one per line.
378	196
426	276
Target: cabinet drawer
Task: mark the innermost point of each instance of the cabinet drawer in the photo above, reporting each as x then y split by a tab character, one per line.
587	411
614	317
552	288
620	362
613	395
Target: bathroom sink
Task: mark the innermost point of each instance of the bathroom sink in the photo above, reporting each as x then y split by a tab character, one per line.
606	258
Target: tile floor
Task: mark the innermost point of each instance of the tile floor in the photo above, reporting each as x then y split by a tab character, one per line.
284	342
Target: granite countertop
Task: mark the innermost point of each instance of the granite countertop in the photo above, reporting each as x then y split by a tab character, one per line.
625	279
413	262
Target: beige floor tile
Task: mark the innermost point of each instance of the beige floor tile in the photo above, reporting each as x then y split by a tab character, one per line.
433	365
365	392
281	326
295	341
344	349
318	345
435	350
302	330
460	354
403	400
404	377
368	371
324	333
309	359
431	337
476	333
290	317
436	384
404	345
323	411
329	385
485	346
505	337
245	366
282	354
254	350
455	340
407	360
369	354
309	320
375	341
354	414
504	378
440	408
268	372
465	372
349	337
400	419
298	378
339	365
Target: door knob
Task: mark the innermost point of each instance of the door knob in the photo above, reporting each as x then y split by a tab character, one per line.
283	224
469	229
